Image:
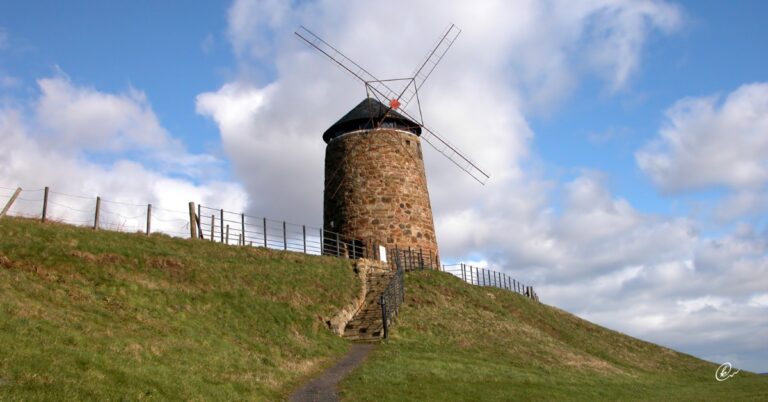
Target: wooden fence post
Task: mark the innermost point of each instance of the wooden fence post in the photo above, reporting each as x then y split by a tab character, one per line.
285	237
226	241
45	203
304	236
192	221
149	219
11	201
322	242
242	226
96	216
213	226
199	223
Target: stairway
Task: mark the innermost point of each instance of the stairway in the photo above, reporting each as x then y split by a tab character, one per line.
367	325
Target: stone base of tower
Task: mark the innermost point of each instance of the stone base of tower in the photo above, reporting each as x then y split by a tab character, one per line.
376	191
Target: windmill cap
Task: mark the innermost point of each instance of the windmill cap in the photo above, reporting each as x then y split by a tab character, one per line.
366	115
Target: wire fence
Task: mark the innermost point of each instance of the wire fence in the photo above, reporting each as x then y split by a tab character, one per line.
95	212
486	277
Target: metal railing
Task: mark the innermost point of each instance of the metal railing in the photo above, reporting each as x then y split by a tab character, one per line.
393	296
233	228
414	259
221	226
486	277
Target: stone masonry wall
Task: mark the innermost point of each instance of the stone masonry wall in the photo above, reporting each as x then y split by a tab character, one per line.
376	190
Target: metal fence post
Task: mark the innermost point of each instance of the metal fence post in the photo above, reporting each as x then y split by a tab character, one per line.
304	236
338	246
384	315
226	238
285	237
265	232
222	225
421	259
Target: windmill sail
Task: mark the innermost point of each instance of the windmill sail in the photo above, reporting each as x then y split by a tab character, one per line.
430	62
346	63
451	152
382	89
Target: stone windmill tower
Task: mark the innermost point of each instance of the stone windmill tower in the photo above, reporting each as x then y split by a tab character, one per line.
375	182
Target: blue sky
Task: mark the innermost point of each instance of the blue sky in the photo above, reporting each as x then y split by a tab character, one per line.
574	107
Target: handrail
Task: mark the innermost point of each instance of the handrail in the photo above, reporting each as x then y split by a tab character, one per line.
393	296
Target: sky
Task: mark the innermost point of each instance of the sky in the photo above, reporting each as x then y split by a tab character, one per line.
627	141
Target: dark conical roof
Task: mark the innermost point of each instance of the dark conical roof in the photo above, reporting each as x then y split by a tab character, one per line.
366	115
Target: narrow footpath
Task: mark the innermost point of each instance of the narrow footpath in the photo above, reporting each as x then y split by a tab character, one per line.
324	388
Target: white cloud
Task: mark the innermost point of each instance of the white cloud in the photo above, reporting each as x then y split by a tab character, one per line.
760	300
47	149
531	46
741	204
83	118
708	142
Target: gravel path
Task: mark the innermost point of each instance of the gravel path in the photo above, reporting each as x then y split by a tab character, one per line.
323	388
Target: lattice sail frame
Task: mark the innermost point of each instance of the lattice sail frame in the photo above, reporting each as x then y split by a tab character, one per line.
399	100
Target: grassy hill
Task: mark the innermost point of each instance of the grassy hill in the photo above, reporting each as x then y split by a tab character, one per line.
455	342
111	316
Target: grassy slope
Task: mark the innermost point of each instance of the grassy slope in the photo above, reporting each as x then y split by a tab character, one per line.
456	342
108	316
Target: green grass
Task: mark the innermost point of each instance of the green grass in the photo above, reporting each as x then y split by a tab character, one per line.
457	342
108	316
111	316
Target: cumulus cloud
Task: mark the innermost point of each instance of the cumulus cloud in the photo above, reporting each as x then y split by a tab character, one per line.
506	53
48	146
83	118
710	306
710	141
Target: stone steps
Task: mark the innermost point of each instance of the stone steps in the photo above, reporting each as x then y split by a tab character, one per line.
367	325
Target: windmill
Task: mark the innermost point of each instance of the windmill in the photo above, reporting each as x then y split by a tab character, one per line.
399	100
375	181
